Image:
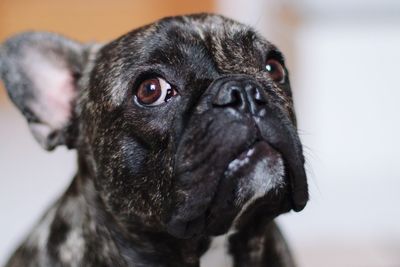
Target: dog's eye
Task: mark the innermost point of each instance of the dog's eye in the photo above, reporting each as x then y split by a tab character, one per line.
154	92
275	70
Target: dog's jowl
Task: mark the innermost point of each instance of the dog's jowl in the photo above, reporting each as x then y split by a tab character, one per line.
185	133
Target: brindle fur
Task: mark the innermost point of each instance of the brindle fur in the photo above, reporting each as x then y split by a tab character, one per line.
116	210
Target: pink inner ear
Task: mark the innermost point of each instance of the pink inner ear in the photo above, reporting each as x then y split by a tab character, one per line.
54	90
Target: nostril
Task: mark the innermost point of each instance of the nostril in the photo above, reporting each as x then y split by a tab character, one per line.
236	96
259	96
243	95
228	95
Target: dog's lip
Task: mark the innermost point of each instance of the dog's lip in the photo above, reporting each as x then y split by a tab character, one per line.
240	164
191	218
298	201
237	172
242	159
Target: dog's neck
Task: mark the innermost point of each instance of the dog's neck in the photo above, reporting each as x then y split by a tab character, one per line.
79	231
134	244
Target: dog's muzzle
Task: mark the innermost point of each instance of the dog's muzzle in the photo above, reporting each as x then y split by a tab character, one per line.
249	138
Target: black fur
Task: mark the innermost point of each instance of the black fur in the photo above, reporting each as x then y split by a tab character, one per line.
155	184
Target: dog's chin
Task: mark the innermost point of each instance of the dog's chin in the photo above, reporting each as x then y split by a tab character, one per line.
256	179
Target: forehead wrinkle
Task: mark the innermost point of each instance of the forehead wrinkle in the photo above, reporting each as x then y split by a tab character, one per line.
235	47
180	38
182	53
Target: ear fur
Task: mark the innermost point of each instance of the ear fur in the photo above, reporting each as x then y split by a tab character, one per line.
40	72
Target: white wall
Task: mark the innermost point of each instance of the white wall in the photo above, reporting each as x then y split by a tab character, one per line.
30	178
349	115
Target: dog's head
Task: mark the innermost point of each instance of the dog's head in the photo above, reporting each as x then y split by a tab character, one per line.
184	125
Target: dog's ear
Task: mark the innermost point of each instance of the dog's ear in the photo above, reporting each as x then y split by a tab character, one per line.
40	72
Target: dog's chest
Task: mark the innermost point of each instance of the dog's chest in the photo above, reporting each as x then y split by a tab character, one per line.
217	255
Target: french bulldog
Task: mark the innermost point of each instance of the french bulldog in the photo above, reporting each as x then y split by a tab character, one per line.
185	132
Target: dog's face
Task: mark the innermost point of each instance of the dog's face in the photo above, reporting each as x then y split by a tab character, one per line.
185	125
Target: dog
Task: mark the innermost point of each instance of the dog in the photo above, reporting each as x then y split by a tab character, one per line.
186	138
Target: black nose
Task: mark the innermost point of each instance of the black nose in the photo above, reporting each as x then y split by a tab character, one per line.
239	92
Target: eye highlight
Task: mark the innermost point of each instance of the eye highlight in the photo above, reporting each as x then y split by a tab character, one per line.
276	70
154	92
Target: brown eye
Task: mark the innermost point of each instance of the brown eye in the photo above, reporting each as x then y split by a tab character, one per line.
154	92
275	70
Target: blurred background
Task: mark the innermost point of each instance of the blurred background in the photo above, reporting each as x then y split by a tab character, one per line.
344	61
